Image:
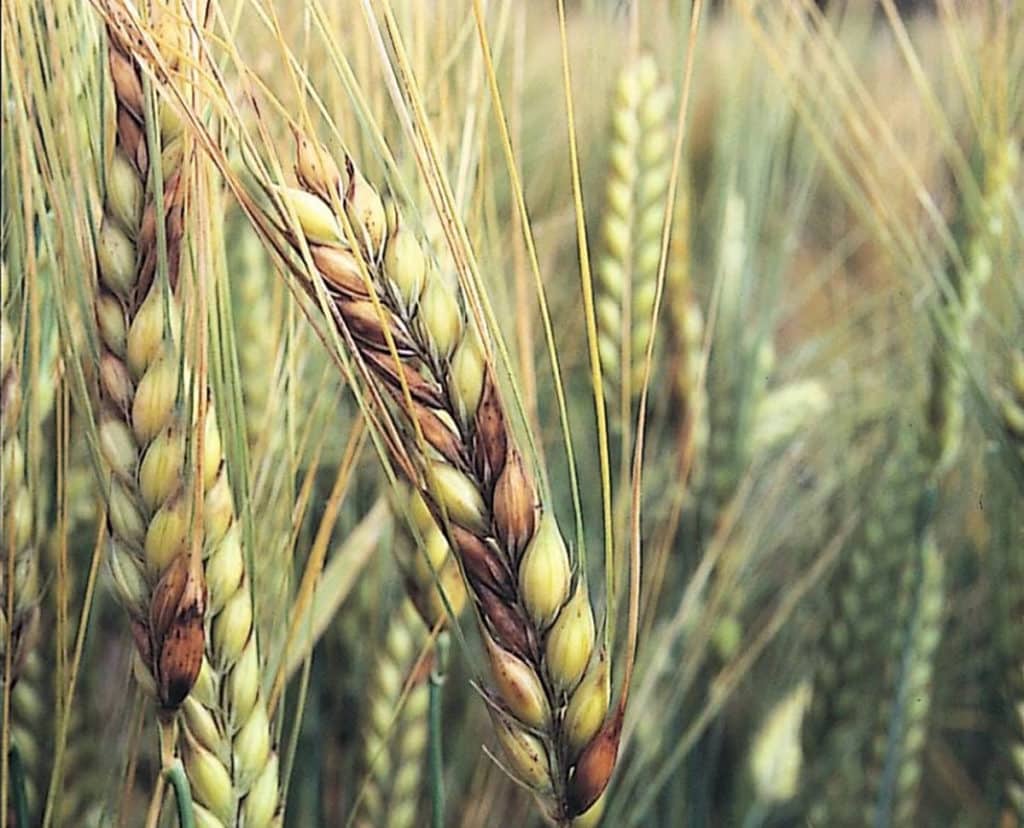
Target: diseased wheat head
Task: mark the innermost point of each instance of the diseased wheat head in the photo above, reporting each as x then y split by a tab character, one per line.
192	613
408	323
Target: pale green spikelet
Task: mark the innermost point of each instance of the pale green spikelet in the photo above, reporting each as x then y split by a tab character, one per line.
1011	404
785	410
776	756
862	641
395	737
685	334
638	172
18	629
251	284
898	743
426	561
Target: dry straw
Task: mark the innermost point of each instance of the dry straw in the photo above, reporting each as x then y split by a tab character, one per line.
407	322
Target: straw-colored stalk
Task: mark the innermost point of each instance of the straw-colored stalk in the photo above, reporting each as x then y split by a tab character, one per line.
396	728
638	174
192	614
407	322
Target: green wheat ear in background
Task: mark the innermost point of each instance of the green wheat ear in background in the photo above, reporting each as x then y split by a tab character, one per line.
337	485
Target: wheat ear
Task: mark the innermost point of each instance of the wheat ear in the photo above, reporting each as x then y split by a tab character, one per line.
408	325
140	418
638	166
861	644
898	745
686	339
248	262
19	613
204	636
396	733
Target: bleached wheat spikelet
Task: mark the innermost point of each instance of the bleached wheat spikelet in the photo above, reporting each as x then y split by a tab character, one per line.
537	624
634	212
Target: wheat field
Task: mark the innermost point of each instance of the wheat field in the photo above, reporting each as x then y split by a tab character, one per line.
512	412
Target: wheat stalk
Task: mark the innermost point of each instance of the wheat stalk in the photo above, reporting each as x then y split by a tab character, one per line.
407	324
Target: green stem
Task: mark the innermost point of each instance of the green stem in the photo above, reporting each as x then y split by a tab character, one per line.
175	774
18	794
437	678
